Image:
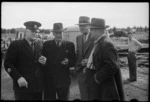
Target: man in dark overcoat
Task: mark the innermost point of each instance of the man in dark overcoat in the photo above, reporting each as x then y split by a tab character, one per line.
60	57
103	73
21	63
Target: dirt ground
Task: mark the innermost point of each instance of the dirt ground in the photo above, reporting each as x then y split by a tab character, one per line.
133	90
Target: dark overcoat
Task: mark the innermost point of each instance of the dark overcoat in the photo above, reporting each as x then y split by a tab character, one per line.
54	72
105	61
20	61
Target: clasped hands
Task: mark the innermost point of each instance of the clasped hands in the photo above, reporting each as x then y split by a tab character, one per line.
65	61
84	63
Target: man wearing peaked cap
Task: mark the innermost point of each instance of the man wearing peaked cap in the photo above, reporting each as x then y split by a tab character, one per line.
32	25
23	66
84	47
60	56
103	73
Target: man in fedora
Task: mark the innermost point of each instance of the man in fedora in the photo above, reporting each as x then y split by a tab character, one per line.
103	74
21	63
84	47
60	56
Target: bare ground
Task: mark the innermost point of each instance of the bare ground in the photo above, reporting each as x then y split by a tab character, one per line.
134	90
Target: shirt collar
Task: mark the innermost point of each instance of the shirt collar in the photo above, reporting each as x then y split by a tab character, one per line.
59	42
95	42
29	41
87	35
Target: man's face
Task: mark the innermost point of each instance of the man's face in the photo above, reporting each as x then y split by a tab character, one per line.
30	34
84	29
58	35
95	33
129	36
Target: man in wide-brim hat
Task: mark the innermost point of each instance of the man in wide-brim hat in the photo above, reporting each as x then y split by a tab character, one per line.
84	46
103	73
60	56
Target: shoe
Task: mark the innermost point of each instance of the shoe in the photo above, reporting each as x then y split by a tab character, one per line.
131	79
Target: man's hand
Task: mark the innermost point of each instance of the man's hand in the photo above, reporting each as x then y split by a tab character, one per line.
84	70
84	62
65	61
42	60
22	82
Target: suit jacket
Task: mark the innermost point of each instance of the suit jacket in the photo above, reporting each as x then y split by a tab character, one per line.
105	61
83	50
58	74
20	61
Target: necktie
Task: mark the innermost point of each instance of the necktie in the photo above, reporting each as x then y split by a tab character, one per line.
84	38
32	46
57	43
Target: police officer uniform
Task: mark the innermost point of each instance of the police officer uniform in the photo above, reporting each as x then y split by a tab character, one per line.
21	61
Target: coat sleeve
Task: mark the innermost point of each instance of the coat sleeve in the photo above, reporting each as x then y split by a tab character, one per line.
10	61
78	63
71	55
43	52
110	64
77	50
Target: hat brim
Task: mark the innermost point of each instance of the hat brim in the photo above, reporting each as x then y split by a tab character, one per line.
99	27
83	24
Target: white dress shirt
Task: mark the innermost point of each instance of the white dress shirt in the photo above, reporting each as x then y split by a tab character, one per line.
85	37
90	59
134	45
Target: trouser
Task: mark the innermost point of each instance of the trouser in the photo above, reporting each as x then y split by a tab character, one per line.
62	93
28	96
82	86
132	65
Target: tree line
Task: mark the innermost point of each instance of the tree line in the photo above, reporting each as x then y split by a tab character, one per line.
13	30
114	29
137	29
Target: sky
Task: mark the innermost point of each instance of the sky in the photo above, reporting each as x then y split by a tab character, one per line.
120	15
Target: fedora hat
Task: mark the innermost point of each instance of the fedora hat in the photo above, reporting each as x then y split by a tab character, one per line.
98	23
32	25
58	27
84	20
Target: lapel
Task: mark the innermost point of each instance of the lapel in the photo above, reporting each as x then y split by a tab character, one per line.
27	47
37	50
80	43
60	52
53	46
98	48
88	44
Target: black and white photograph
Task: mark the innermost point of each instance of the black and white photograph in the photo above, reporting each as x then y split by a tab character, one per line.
72	51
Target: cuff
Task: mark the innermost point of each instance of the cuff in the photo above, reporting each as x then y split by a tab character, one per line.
96	79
